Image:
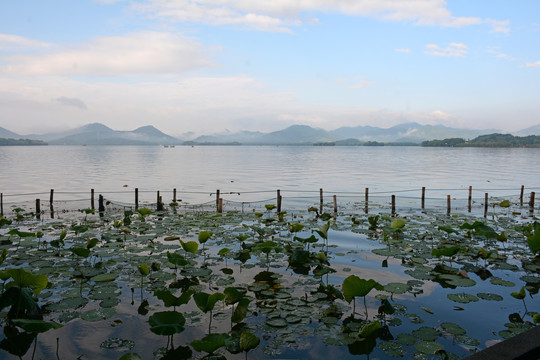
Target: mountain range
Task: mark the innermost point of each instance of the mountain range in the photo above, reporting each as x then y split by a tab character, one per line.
99	134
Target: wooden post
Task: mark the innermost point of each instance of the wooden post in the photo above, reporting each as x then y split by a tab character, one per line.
393	204
278	201
423	196
174	195
92	205
1	204
531	202
448	205
51	197
220	205
470	198
367	200
521	195
101	205
217	200
485	205
335	204
136	198
321	200
159	202
38	209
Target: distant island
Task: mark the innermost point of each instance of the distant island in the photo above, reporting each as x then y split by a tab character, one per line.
491	140
20	142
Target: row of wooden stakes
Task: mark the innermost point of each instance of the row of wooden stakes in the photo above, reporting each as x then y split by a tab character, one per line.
219	201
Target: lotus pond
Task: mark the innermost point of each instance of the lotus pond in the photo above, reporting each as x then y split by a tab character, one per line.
167	285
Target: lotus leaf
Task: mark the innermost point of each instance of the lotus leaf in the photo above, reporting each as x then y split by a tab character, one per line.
248	341
210	343
354	286
462	298
428	347
453	329
167	322
36	326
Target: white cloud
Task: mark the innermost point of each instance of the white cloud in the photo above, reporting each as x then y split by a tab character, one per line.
134	54
281	15
452	50
495	51
533	64
405	51
499	26
16	42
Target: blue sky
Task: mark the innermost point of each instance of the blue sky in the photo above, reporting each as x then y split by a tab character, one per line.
211	66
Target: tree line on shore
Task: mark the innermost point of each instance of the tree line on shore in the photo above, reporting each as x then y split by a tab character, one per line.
26	142
491	140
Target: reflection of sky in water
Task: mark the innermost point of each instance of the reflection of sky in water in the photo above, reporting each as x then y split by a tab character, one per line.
260	168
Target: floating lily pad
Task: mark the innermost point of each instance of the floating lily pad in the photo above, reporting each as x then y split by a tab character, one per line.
462	298
406	339
427	333
392	349
498	281
98	314
397	288
489	296
428	347
277	322
117	344
453	329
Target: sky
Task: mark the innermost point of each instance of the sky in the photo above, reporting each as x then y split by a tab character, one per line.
216	66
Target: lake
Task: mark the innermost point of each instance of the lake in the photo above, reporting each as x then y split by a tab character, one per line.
256	172
442	282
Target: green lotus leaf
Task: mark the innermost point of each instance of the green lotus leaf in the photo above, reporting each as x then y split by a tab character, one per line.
190	246
167	322
489	296
104	277
79	251
452	328
248	341
204	236
427	333
277	322
206	302
519	294
210	343
241	310
462	298
354	286
397	224
22	278
36	326
428	347
130	356
397	288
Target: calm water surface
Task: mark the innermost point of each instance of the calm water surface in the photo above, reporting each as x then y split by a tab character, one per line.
265	168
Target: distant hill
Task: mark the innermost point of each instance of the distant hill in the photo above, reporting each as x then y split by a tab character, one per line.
5	133
99	134
407	133
297	134
533	130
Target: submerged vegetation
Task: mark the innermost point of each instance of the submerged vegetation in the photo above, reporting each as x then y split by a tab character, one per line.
165	285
